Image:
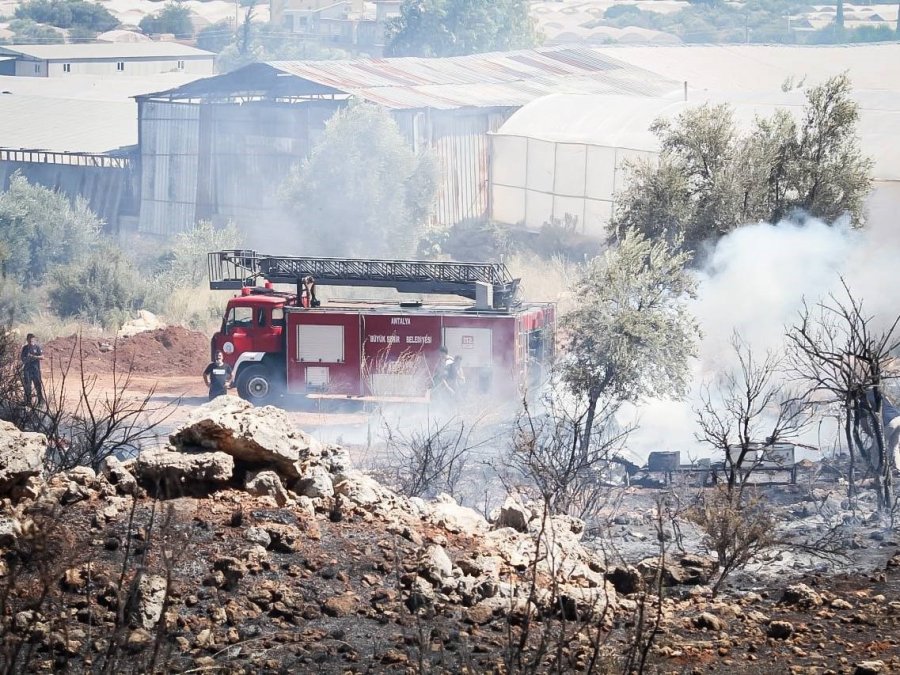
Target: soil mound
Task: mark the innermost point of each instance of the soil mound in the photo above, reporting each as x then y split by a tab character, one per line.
166	351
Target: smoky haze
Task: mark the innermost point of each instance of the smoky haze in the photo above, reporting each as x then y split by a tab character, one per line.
753	283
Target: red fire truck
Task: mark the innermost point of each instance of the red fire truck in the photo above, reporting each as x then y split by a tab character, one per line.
287	343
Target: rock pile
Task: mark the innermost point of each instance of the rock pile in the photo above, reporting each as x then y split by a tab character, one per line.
228	443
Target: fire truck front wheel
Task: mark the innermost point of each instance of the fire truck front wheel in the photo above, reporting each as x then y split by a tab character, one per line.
257	384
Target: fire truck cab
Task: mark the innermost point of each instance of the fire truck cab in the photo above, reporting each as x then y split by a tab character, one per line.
278	344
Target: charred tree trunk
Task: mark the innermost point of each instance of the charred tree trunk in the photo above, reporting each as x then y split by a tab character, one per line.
851	448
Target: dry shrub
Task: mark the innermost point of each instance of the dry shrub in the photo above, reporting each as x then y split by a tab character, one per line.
737	526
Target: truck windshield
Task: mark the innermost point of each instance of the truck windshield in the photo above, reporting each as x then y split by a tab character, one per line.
239	317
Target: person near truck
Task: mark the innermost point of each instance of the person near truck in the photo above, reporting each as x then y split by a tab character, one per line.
217	376
32	355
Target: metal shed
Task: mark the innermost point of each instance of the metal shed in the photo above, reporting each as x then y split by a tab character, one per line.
219	148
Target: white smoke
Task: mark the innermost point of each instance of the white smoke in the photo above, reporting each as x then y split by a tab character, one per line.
754	282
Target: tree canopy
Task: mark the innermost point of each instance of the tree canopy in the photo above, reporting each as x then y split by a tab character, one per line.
40	230
456	27
710	178
362	191
174	18
68	14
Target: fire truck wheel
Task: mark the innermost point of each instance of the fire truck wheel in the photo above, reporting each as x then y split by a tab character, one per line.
257	384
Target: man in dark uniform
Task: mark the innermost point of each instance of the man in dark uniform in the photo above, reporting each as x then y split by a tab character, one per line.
32	355
217	376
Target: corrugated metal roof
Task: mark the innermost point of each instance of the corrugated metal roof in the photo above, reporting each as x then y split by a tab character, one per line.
92	87
104	50
497	79
480	80
66	125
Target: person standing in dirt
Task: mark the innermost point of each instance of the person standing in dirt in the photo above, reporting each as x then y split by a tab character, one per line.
32	355
217	376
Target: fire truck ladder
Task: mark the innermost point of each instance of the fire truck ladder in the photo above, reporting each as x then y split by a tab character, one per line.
231	270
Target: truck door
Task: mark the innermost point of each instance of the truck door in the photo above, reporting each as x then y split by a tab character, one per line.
237	332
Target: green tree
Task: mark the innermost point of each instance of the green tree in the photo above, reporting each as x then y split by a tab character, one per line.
40	230
362	191
710	179
456	27
26	31
68	14
631	335
174	18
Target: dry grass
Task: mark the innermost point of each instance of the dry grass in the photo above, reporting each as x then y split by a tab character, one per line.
196	308
545	280
47	326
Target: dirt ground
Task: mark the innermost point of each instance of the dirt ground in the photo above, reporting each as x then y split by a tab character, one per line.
167	352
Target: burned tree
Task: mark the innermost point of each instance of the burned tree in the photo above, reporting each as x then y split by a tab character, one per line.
744	416
549	452
748	410
842	355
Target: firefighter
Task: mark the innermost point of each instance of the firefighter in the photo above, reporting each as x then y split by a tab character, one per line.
308	293
32	355
217	376
455	376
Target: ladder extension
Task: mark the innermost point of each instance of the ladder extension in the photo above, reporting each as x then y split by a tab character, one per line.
230	270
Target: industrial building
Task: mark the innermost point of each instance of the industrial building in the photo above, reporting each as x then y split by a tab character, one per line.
111	60
219	148
77	134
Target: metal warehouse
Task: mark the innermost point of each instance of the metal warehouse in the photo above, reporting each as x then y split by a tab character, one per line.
219	148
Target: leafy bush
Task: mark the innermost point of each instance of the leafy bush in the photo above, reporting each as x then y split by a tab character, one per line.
101	288
26	31
68	14
16	304
40	230
173	18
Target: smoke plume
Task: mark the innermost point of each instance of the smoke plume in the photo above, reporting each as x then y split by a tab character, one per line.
754	282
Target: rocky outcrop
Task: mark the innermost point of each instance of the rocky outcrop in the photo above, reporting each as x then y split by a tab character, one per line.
686	570
21	456
256	436
182	468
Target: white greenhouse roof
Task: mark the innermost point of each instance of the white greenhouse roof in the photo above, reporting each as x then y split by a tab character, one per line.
765	67
624	121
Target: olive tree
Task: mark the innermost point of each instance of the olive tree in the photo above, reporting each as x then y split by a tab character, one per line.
710	178
363	191
631	335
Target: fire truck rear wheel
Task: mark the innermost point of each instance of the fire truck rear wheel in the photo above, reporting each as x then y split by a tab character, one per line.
257	384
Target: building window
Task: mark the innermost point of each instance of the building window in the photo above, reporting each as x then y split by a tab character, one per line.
67	67
181	65
120	66
37	68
